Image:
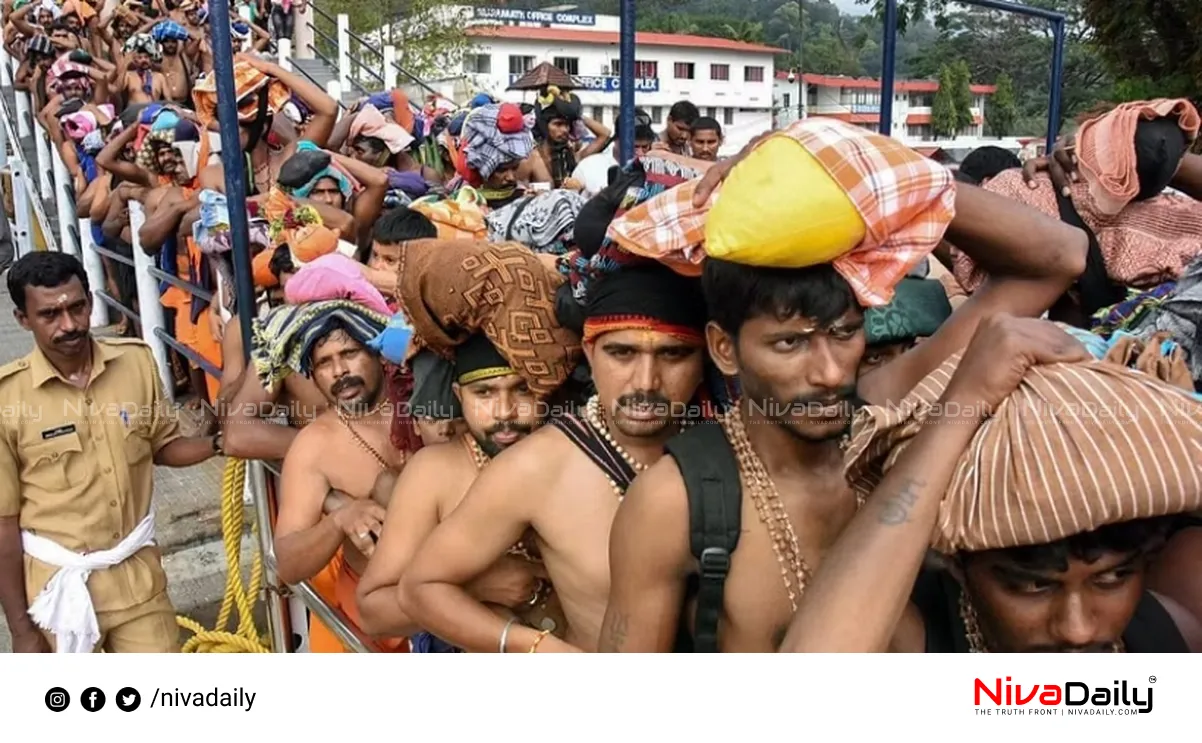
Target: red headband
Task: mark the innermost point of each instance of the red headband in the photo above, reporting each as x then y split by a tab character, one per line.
595	327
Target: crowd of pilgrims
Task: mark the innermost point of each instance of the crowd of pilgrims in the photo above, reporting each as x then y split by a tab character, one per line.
821	395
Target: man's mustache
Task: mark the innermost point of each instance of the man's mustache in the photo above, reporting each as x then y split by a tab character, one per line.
346	382
71	337
522	428
828	399
644	398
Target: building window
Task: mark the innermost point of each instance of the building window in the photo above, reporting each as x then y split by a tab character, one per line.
812	96
645	69
921	100
728	117
570	65
599	114
787	101
684	70
719	72
711	112
657	114
519	65
480	64
753	74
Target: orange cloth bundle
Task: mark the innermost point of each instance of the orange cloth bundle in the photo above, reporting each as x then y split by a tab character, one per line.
1076	447
1106	148
247	81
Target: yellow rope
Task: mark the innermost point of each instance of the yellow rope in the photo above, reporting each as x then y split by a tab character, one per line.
245	639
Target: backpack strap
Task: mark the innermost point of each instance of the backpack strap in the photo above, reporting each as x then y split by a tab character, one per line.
711	477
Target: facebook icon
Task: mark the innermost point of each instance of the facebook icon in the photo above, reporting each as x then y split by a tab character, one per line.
92	699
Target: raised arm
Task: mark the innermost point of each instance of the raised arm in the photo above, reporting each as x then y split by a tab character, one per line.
1032	259
324	108
247	434
649	563
109	158
492	517
870	571
602	134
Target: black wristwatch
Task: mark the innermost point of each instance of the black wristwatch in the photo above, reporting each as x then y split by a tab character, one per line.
217	444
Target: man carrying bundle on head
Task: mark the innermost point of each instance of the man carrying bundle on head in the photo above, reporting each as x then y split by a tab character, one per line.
701	568
556	115
347	448
1048	546
643	340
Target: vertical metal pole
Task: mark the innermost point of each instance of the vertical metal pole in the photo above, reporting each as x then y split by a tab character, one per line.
888	54
6	71
23	236
626	82
150	305
285	53
344	51
41	142
1054	89
23	113
390	73
232	165
64	196
4	138
801	53
94	268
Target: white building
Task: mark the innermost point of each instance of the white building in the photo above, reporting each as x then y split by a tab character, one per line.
857	100
727	80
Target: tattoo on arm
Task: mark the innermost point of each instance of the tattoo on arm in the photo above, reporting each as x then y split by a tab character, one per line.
895	510
615	633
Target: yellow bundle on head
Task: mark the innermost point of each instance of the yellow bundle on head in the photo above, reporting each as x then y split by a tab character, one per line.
780	208
827	192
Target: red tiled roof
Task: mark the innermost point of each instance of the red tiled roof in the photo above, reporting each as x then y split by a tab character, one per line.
536	33
905	86
853	118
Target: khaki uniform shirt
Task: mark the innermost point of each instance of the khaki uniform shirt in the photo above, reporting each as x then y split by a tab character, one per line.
77	466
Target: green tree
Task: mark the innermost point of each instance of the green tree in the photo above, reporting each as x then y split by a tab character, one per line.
962	95
945	122
1154	47
428	34
1002	110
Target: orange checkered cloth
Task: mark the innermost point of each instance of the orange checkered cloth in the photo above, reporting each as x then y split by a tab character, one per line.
1106	148
906	201
247	82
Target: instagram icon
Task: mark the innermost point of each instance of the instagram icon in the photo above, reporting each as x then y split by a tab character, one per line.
57	699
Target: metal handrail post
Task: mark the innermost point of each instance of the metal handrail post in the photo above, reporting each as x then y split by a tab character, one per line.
302	32
285	54
94	268
344	51
390	79
45	164
334	90
64	196
1054	89
23	217
6	73
150	305
278	620
4	140
23	113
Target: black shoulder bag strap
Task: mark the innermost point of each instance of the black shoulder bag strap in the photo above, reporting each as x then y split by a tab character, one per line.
711	477
1097	290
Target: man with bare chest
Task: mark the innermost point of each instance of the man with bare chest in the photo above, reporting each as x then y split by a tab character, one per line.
775	497
135	73
642	337
499	410
177	70
346	448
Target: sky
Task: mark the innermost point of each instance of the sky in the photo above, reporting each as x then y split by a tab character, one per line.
851	6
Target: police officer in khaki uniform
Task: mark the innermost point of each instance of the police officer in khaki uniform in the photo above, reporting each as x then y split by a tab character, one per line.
83	424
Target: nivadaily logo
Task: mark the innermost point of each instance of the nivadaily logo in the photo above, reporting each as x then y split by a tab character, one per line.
1068	698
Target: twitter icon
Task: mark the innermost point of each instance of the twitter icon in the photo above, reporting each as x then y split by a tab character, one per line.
128	699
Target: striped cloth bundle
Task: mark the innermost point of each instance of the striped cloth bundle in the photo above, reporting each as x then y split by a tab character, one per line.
1076	447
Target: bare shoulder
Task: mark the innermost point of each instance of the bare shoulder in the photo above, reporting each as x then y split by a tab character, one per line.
1188	625
313	441
651	527
659	492
540	456
438	460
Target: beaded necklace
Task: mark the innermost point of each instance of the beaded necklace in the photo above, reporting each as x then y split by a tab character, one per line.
595	418
794	571
362	442
976	638
481	459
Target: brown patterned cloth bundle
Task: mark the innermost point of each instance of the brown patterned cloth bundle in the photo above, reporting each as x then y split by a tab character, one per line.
453	289
1076	447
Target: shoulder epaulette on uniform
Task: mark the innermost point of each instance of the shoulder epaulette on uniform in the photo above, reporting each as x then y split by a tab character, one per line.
12	368
113	341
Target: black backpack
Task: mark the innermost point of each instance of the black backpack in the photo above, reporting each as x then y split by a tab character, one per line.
711	477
